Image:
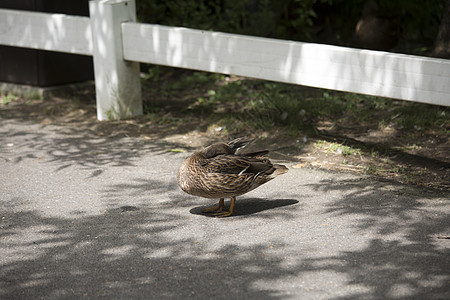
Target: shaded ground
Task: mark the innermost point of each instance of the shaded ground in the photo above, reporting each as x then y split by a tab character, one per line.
182	108
86	213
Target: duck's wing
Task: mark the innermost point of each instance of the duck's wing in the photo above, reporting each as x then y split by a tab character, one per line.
228	148
240	165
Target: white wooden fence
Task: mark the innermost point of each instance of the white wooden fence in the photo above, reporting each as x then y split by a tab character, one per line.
117	44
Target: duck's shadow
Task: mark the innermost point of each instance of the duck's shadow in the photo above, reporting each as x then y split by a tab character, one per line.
246	206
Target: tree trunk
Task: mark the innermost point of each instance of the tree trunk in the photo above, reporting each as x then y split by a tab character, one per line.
442	45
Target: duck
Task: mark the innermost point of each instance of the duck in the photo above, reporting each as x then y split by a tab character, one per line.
219	171
375	32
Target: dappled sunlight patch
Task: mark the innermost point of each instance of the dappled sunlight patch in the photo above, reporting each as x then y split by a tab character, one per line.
115	253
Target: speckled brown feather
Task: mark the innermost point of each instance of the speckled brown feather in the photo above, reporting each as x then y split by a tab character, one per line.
219	172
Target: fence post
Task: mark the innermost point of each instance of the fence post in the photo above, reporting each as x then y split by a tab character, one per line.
117	82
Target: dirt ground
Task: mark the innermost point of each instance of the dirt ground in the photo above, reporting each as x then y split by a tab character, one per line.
388	152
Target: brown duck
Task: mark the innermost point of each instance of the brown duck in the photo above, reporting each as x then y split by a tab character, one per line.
218	171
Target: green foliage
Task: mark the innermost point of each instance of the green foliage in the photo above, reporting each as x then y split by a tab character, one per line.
292	19
236	104
421	116
338	148
5	99
418	22
325	21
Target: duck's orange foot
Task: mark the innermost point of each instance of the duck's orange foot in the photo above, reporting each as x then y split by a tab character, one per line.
223	214
216	209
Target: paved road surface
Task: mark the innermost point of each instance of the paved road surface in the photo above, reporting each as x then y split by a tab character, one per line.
88	216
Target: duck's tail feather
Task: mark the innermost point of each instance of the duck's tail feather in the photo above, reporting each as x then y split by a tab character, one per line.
279	169
256	154
239	143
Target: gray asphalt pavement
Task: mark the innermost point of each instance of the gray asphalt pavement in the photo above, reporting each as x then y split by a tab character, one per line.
86	216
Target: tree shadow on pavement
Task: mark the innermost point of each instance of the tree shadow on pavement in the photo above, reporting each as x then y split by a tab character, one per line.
124	253
404	258
142	245
71	146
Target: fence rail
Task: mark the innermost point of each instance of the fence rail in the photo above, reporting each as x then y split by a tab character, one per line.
377	73
117	43
54	32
